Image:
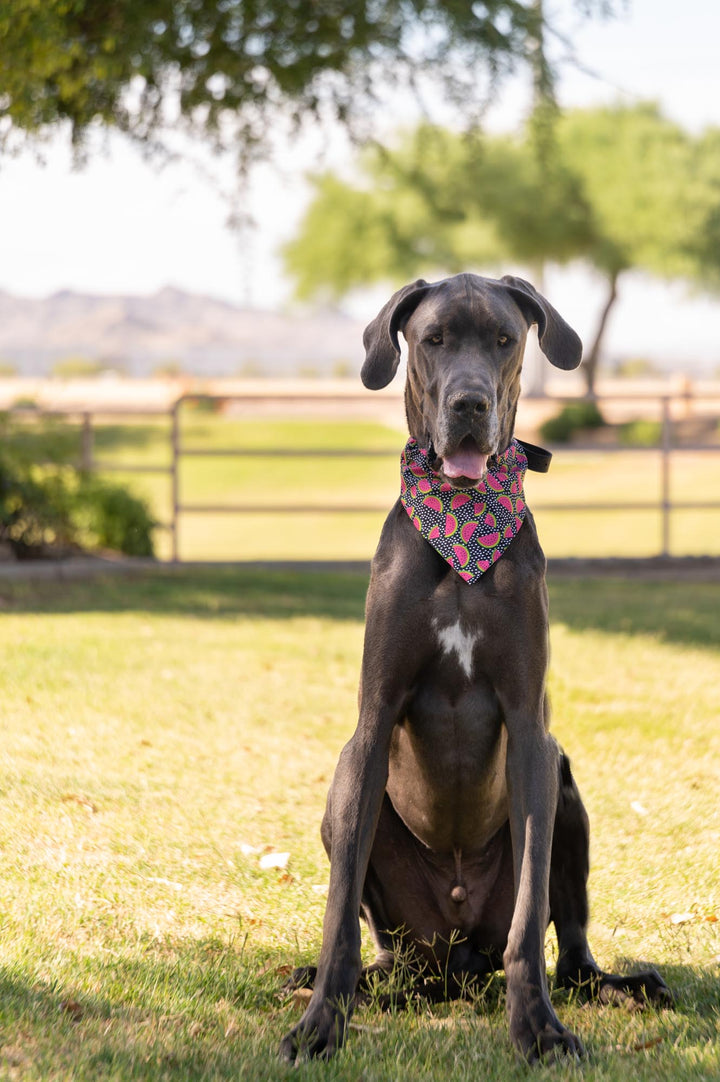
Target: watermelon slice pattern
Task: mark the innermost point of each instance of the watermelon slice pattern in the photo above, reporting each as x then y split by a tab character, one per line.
485	518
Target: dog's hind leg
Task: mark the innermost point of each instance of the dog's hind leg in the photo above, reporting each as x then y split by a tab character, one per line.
570	862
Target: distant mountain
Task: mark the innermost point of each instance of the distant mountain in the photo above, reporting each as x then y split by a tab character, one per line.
204	335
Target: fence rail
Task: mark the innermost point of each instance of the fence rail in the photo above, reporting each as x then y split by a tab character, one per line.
666	405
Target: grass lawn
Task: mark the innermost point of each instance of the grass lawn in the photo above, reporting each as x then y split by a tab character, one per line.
162	734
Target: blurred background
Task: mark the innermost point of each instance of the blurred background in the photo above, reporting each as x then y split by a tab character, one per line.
201	206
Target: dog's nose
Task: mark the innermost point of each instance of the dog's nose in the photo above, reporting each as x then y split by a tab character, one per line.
467	403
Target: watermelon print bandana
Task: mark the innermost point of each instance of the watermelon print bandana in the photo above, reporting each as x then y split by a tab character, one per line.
469	527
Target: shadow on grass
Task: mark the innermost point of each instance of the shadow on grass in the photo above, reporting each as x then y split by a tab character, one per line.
50	439
211	1013
685	613
214	593
132	436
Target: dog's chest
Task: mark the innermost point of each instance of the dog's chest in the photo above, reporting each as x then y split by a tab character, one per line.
457	641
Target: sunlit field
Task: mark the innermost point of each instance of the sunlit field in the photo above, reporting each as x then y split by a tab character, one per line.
164	734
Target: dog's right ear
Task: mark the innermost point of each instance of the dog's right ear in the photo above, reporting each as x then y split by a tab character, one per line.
382	349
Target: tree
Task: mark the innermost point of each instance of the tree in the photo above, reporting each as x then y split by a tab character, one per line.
229	68
620	188
635	168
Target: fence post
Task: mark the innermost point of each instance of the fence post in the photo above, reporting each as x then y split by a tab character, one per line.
86	447
174	479
665	476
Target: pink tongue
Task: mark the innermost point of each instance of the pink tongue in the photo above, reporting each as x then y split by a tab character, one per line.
465	463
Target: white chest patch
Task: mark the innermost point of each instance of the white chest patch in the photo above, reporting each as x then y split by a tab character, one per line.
454	640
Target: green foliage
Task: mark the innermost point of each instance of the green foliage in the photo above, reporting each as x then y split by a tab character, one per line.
35	508
231	67
439	203
635	168
620	188
54	506
205	404
108	516
78	368
640	433
168	370
574	417
635	368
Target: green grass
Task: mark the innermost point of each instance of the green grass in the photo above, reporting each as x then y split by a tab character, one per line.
626	477
159	730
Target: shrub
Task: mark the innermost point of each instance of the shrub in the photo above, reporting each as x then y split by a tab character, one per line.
55	507
205	404
640	433
35	509
111	517
574	417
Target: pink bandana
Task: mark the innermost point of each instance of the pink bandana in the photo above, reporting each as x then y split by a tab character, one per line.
469	527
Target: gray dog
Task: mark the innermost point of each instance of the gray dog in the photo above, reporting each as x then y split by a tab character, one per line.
453	822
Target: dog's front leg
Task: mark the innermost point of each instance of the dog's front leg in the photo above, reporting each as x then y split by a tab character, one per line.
532	784
350	822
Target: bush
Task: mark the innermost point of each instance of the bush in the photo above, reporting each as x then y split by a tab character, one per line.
55	508
110	517
573	417
35	510
640	433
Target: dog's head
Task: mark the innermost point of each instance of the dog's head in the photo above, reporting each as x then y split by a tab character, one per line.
466	339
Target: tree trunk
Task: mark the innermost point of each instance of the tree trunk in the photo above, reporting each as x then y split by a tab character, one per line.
592	357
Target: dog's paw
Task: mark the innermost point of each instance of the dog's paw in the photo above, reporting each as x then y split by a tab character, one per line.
536	1031
632	990
635	990
319	1034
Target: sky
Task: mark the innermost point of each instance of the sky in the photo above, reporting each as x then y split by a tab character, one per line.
125	224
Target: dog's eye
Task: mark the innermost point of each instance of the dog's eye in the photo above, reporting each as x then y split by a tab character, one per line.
435	339
503	340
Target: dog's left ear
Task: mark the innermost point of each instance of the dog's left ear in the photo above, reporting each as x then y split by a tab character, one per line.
382	349
558	341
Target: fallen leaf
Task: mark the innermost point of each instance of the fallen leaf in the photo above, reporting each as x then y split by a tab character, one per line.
641	1046
286	878
682	918
274	860
72	1009
283	970
163	882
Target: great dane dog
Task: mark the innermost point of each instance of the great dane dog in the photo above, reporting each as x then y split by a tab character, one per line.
453	822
